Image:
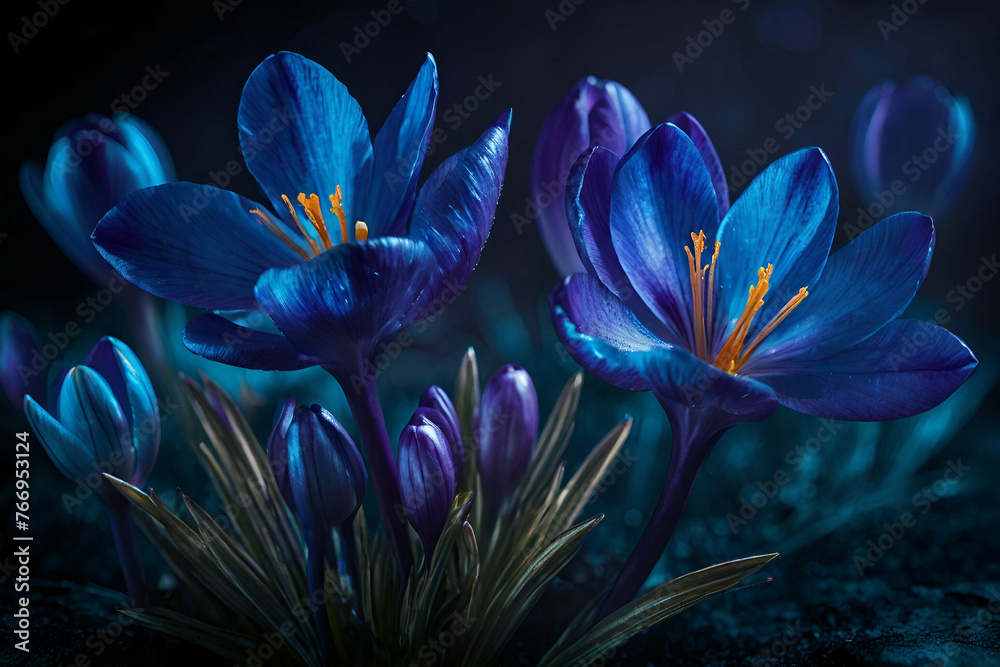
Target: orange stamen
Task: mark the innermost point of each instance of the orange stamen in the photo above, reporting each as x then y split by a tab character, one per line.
775	321
263	219
315	214
697	290
336	201
726	359
360	231
295	216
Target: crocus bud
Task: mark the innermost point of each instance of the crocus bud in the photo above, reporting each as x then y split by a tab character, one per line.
446	418
105	419
508	429
427	478
20	358
92	164
910	148
319	470
593	113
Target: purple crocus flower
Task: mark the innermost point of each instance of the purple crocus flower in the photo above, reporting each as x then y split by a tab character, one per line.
441	411
350	252
664	305
507	432
427	477
910	147
593	113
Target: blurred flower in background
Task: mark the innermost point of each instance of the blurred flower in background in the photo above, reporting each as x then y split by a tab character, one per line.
20	344
910	146
92	164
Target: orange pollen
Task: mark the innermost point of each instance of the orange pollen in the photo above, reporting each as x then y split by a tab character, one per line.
314	214
732	356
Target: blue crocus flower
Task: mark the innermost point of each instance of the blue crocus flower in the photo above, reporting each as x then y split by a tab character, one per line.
436	405
664	305
321	476
105	420
92	164
350	252
594	112
911	146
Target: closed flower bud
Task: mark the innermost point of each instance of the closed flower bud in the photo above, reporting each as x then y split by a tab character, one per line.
910	148
593	113
319	470
92	164
446	418
105	419
427	478
507	430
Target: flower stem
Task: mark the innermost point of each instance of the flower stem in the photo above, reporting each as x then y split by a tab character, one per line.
316	576
367	412
690	449
123	530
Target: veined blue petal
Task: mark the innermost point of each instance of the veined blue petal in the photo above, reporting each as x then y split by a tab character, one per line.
88	408
218	339
194	244
133	391
786	217
696	394
399	152
865	284
71	455
317	474
601	333
699	136
455	219
301	131
148	148
662	194
340	306
905	368
594	113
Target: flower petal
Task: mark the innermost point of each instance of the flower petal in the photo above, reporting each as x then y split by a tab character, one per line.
88	408
454	220
340	306
400	147
19	345
865	284
193	244
601	333
72	457
301	131
786	217
907	367
215	338
662	194
699	136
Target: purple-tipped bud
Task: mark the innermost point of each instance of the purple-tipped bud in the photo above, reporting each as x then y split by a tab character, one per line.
507	430
22	367
427	479
446	418
593	113
319	470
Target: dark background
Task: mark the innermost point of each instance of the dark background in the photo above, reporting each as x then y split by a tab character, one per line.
761	67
